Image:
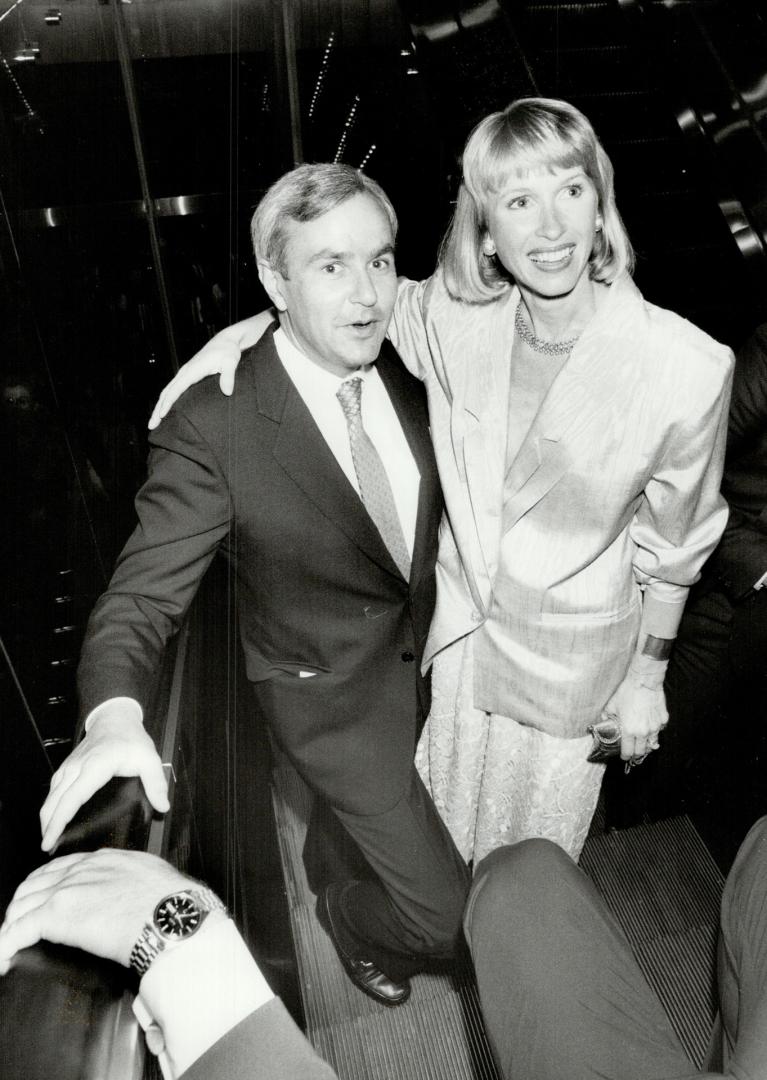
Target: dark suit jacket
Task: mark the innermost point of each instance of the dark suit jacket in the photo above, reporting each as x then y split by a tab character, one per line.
316	588
266	1045
741	557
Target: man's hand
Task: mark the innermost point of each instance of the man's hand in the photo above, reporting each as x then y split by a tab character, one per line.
100	902
97	901
220	356
116	745
640	706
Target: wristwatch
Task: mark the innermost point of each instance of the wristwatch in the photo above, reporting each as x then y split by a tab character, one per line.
176	918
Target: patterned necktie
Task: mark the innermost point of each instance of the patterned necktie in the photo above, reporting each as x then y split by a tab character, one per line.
375	488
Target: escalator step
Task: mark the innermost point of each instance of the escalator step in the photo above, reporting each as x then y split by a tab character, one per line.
667	906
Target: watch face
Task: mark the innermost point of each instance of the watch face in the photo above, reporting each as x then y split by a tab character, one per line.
177	916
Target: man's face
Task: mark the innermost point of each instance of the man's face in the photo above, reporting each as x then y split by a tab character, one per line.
337	296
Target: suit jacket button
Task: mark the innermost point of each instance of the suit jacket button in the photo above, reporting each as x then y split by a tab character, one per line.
408	657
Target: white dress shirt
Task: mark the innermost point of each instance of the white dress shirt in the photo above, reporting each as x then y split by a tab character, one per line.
197	991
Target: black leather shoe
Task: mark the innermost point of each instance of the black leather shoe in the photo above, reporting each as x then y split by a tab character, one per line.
363	973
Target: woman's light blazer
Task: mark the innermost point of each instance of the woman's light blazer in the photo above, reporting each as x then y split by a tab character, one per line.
615	489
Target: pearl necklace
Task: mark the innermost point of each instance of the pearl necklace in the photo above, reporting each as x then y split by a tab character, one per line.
550	348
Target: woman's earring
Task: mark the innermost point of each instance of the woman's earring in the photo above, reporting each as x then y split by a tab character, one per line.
599	225
488	247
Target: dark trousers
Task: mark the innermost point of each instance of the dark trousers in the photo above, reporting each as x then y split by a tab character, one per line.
406	883
563	997
716	687
699	687
711	759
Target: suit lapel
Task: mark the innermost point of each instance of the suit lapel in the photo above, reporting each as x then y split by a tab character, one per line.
575	409
302	452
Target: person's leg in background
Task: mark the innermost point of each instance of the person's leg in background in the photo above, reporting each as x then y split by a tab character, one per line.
743	960
561	992
682	775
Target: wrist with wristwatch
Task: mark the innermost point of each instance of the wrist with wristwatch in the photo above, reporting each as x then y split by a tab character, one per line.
177	917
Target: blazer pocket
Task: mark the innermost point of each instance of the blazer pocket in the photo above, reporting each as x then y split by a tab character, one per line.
298	669
589	618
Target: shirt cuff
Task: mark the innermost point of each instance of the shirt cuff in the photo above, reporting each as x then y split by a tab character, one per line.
198	991
667	591
129	706
761	582
662	609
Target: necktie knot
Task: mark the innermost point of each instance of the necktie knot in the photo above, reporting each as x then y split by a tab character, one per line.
349	393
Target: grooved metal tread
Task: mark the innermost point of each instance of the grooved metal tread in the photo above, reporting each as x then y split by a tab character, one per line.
659	881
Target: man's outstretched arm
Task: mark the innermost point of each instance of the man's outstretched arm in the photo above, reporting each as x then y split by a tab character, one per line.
184	513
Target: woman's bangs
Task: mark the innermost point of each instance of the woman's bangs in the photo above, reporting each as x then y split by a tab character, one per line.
548	154
518	159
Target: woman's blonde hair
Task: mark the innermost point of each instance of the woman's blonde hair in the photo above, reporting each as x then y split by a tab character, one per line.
529	134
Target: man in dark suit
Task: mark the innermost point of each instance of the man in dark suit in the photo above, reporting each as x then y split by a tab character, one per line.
716	684
326	501
724	642
740	561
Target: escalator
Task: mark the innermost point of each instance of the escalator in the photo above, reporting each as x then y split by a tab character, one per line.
64	1013
678	93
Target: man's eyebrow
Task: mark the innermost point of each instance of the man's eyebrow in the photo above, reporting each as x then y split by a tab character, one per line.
328	255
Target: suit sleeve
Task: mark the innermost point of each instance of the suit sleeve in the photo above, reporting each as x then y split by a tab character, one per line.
267	1045
748	409
183	515
741	558
682	514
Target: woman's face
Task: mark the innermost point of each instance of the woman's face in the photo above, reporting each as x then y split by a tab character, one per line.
541	226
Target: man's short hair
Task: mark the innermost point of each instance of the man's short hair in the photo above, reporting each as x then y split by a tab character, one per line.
303	194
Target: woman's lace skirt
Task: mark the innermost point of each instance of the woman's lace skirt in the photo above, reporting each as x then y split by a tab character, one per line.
495	781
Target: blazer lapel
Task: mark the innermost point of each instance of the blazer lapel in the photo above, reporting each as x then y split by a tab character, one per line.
595	377
480	410
545	455
303	453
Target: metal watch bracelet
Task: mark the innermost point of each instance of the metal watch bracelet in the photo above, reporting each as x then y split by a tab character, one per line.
151	942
